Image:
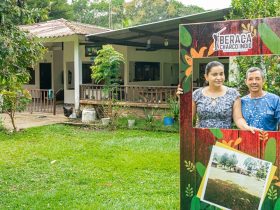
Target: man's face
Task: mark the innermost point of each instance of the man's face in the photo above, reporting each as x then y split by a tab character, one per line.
254	82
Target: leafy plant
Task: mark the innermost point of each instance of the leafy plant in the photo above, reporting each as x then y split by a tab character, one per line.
149	115
106	69
18	51
174	107
13	101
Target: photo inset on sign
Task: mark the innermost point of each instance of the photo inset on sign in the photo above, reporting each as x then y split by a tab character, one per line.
236	92
234	179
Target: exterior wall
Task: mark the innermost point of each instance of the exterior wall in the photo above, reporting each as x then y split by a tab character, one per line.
57	70
48	58
165	57
63	62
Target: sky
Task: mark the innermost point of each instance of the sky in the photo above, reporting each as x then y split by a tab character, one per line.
208	4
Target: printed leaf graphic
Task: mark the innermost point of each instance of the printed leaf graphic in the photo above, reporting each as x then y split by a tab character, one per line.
266	204
187	84
185	37
237	141
211	49
263	135
183	65
195	203
275	178
277	204
277	184
224	142
272	193
230	142
189	191
183	53
216	132
190	166
200	168
269	38
270	150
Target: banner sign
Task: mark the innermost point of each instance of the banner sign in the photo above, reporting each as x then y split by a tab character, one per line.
253	154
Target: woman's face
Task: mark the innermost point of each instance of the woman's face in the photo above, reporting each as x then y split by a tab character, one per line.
216	76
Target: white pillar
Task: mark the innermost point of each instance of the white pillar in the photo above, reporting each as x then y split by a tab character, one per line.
77	73
126	67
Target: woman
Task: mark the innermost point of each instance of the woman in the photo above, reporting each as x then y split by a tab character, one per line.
216	105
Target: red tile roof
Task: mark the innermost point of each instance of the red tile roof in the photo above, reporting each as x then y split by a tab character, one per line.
60	28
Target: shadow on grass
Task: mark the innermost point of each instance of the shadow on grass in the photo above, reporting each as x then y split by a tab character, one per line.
230	195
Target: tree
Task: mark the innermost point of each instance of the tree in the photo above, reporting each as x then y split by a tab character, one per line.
224	159
146	11
262	170
250	164
82	11
18	51
108	13
51	9
247	9
231	161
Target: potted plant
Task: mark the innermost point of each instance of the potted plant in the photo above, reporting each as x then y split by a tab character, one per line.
168	119
173	113
106	69
131	121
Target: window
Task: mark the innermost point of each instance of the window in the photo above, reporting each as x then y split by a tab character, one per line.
147	71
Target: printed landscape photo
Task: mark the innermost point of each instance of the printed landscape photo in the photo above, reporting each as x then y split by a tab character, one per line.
235	180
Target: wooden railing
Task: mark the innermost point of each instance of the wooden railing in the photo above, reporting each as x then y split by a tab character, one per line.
128	93
42	101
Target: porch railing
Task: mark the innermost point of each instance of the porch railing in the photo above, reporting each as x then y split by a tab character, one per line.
42	101
128	93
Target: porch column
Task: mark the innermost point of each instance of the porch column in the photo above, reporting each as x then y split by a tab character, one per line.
77	73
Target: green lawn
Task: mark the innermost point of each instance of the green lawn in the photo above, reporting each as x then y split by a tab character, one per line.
64	167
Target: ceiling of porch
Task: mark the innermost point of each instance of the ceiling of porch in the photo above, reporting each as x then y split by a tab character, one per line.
153	36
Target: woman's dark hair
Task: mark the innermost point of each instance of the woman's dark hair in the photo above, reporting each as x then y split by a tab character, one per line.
212	64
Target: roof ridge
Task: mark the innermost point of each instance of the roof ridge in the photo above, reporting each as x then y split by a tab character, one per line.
85	24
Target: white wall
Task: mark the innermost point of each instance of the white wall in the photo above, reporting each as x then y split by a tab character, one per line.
57	69
162	56
48	58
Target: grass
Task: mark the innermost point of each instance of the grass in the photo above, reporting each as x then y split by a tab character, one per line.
229	195
64	167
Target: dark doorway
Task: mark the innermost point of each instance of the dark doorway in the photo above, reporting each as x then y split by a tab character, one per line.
45	76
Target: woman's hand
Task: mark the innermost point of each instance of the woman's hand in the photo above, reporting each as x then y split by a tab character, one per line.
179	91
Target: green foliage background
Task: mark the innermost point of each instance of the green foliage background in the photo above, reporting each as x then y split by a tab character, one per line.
248	9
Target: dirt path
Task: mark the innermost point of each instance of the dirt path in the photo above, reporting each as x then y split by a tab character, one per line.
27	120
249	184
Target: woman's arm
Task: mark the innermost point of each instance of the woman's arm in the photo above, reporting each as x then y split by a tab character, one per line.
193	109
238	118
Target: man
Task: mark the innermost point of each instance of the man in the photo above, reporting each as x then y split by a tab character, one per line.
260	109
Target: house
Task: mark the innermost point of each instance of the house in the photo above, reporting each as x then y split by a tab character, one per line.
150	73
